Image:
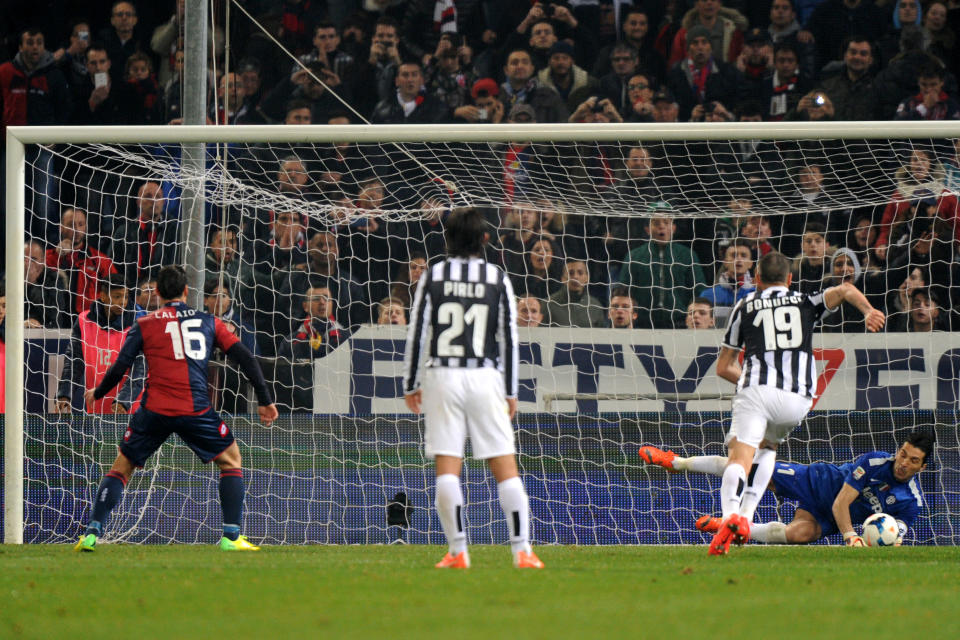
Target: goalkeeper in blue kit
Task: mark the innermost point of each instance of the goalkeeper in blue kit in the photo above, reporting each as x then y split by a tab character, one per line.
830	498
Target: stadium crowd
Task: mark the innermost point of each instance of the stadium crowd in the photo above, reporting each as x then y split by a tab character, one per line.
293	286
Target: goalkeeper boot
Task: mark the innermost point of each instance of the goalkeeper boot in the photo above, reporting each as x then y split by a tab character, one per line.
732	528
526	560
240	544
450	561
87	542
708	524
659	457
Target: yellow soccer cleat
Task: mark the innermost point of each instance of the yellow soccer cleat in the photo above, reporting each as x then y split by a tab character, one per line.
87	542
240	544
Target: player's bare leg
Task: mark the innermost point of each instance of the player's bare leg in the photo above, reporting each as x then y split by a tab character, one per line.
803	529
232	491
449	505
108	496
734	526
516	508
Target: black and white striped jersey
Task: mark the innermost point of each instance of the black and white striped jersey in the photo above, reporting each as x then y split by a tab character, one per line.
463	316
775	329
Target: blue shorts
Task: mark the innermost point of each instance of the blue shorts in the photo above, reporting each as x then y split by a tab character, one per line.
206	434
813	486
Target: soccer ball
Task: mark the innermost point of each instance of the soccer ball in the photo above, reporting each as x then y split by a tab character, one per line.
880	530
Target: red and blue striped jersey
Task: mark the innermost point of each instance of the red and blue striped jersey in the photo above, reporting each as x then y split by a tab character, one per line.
177	342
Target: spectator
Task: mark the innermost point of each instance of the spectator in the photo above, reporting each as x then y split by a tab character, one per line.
382	62
391	311
299	19
640	98
449	75
324	268
635	28
298	112
521	87
734	279
411	104
785	30
292	177
565	77
95	343
147	97
666	109
663	276
221	260
700	314
233	105
45	291
723	28
318	333
812	198
407	280
423	236
757	231
305	84
924	314
119	38
860	239
528	312
72	59
844	267
83	265
834	22
147	297
700	78
425	23
99	99
905	12
252	80
852	93
542	271
326	49
897	302
932	103
943	39
624	64
536	34
149	238
898	79
486	107
920	195
216	299
782	90
573	306
526	224
755	61
810	267
622	313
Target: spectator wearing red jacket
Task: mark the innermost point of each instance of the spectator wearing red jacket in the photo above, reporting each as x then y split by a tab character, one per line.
84	266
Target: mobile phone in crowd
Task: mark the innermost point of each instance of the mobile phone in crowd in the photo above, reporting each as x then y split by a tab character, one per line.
100	79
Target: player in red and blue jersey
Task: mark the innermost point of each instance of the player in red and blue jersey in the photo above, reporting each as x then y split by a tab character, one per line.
830	498
177	342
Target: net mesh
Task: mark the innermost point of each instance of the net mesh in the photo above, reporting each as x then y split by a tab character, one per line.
313	248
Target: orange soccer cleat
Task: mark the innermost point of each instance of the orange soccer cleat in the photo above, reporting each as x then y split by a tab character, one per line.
735	529
527	560
450	561
708	524
659	457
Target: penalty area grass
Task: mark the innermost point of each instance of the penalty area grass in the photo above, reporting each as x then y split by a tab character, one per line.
188	591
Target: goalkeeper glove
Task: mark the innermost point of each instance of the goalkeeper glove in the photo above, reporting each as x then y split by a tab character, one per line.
851	539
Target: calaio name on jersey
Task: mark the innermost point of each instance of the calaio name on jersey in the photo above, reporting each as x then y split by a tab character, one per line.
769	303
166	314
463	289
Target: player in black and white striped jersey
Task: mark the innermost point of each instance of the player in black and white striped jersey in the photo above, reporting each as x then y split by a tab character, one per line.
460	366
776	384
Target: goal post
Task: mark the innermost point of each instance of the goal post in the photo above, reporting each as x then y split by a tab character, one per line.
404	143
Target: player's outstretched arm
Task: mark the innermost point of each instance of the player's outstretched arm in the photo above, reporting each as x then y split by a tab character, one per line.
728	365
841	514
846	292
268	413
251	369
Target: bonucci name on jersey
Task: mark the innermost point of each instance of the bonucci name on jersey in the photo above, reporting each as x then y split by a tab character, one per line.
774	327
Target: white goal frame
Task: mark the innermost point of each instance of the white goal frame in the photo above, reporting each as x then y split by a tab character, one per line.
18	137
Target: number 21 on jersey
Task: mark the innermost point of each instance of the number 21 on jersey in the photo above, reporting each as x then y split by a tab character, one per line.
186	339
452	313
782	327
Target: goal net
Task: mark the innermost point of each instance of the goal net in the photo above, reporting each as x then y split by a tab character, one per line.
627	246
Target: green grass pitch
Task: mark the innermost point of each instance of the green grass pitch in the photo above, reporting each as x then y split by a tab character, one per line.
48	591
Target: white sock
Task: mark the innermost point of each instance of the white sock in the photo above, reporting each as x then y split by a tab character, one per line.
769	532
450	509
516	508
701	464
763	463
731	489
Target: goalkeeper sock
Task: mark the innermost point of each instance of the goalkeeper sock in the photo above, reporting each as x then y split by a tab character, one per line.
516	508
701	464
231	501
108	495
731	489
449	505
763	463
769	533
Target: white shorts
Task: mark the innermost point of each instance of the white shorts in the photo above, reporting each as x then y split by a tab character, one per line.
461	402
766	413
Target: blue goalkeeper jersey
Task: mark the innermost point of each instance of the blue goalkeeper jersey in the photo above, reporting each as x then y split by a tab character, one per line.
880	492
